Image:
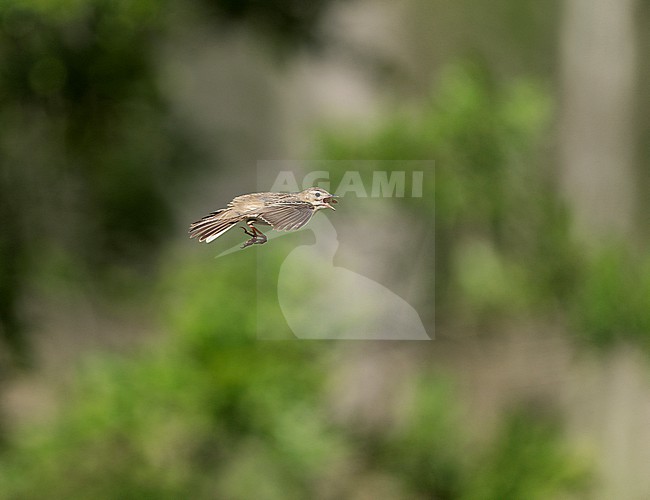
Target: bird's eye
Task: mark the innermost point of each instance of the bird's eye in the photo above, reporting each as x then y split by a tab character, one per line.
317	194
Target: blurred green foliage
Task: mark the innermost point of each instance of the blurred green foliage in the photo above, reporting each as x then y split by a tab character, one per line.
612	298
502	235
503	242
89	150
527	461
216	413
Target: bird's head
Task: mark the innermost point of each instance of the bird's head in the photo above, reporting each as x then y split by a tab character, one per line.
318	197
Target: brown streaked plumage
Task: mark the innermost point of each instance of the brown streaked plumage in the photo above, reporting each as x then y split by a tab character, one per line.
281	211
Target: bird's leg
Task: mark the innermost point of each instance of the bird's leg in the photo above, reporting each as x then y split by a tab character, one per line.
257	236
260	235
251	241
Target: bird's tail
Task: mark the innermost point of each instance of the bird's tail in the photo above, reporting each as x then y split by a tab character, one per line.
213	225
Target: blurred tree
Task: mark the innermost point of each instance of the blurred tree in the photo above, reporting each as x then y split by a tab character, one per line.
598	141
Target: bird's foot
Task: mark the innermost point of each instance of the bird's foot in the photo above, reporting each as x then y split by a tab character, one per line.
254	241
258	239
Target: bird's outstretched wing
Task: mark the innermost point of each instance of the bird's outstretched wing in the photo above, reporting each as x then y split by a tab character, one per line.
287	216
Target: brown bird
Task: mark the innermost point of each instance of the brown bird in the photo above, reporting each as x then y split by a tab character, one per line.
281	211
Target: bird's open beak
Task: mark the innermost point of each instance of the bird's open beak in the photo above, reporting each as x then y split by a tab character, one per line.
331	200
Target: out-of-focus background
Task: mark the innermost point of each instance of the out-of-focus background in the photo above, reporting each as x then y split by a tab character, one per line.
131	364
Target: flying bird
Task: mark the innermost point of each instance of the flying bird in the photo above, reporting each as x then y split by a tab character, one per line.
281	211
